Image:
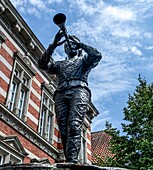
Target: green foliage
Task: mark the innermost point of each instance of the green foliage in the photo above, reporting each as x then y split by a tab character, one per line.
134	150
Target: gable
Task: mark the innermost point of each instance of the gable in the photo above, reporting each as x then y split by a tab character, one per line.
13	143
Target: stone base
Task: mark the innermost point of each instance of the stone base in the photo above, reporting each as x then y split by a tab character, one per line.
59	166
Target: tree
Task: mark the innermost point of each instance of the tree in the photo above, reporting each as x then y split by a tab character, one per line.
134	150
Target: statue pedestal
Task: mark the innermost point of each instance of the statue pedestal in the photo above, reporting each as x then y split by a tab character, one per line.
58	166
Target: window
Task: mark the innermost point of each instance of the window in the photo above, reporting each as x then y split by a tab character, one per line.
46	119
83	150
19	91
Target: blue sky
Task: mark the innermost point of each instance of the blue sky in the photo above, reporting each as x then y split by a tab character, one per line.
121	30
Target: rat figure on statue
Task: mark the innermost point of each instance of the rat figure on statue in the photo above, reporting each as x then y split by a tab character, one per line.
72	95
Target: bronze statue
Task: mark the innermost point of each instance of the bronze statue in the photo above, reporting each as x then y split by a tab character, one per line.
72	95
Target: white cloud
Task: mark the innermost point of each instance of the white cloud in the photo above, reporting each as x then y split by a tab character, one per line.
149	47
122	14
148	35
100	120
124	31
33	7
108	78
86	7
17	3
52	1
107	89
136	51
37	3
33	11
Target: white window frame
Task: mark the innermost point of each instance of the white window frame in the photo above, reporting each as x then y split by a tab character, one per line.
22	80
46	128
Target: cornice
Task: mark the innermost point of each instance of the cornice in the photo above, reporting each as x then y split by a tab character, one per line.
93	112
19	27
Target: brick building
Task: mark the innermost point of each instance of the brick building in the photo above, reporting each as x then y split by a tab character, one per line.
28	127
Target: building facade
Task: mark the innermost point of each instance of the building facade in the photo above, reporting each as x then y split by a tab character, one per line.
28	126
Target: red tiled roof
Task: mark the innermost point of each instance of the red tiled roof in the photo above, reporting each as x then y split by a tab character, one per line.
100	145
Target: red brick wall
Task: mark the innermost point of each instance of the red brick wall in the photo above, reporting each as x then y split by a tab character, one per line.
10	45
35	86
2	99
6	56
32	124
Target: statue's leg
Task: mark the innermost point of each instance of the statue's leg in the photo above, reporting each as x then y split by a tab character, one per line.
61	110
78	108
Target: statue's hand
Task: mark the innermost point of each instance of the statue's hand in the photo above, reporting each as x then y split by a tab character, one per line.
57	39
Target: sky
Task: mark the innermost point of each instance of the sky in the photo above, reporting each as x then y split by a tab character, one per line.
122	30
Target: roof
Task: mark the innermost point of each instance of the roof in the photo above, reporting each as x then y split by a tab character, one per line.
100	145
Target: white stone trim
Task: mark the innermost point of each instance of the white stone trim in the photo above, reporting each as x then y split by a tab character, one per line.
7	49
30	154
88	162
88	151
88	141
56	138
6	79
56	126
34	105
35	93
2	134
31	117
2	92
36	81
5	63
88	132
